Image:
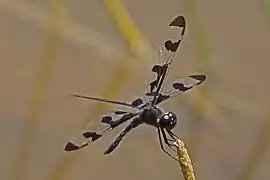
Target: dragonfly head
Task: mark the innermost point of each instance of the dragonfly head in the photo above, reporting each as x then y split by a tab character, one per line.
168	120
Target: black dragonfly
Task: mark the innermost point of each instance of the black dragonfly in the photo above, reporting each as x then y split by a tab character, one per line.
146	106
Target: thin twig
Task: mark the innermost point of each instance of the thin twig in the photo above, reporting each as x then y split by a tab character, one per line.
184	160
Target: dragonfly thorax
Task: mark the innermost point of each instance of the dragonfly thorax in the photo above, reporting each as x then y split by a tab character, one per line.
150	115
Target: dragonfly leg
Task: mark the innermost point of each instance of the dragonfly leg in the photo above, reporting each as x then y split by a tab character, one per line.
174	136
168	141
162	147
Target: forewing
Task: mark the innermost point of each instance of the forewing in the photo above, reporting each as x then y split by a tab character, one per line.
169	50
95	130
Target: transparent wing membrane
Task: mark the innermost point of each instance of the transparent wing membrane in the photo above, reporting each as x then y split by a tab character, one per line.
96	129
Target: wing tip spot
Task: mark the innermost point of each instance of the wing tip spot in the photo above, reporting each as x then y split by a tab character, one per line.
71	147
178	21
200	78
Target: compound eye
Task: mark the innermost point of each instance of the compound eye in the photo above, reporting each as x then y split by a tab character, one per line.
168	120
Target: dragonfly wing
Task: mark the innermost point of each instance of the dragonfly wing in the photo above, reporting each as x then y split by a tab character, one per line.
94	131
168	51
179	86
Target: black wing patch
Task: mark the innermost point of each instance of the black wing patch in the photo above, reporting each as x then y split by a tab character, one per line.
91	133
160	70
138	102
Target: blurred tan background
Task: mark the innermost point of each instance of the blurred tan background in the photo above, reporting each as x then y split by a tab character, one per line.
50	49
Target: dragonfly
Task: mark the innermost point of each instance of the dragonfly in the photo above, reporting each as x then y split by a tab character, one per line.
147	109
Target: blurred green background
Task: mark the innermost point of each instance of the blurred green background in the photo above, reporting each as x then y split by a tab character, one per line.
50	49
